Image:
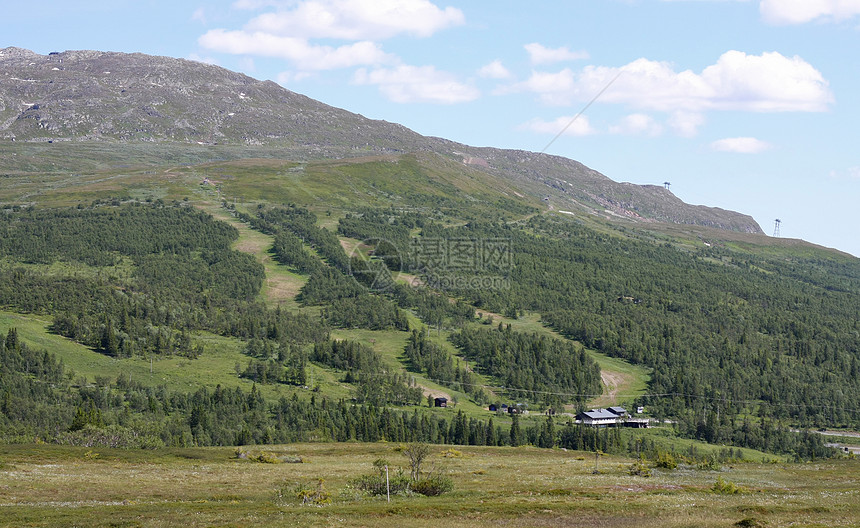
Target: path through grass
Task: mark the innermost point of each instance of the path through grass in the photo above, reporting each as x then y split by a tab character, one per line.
281	286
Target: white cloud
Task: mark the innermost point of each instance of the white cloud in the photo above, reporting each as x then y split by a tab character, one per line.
409	84
761	83
290	29
199	15
786	12
686	123
768	82
258	4
494	70
803	11
305	55
637	124
540	54
552	88
743	145
354	19
578	127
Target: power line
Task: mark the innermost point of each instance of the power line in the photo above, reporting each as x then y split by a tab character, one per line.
582	111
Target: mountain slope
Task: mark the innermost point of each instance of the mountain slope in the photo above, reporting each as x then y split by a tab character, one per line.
91	96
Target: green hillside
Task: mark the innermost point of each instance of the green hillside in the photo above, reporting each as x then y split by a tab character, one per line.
657	317
301	255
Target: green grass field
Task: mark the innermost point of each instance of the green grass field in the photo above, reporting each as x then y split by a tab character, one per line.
217	365
44	486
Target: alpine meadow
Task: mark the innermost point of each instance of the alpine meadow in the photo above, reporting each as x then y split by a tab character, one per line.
223	303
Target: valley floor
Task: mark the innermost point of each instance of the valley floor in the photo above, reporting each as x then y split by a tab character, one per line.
46	486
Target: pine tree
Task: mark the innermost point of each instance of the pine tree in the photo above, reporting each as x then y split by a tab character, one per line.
547	434
516	433
12	340
491	433
109	343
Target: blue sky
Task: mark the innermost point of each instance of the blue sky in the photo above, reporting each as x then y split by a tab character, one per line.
746	105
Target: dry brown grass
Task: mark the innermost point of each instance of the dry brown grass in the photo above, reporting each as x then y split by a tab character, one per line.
494	487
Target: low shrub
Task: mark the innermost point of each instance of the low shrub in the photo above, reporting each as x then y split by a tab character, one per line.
267	458
709	463
724	487
375	483
639	469
665	460
313	494
433	485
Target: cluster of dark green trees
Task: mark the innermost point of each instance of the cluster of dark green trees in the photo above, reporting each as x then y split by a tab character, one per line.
429	358
375	383
775	339
39	399
550	371
302	224
276	362
366	311
725	332
140	276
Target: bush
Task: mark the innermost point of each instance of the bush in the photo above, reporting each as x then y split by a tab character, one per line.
309	494
725	487
433	485
374	483
639	469
665	460
709	463
267	458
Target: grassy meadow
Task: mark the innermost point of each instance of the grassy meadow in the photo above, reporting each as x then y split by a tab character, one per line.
61	486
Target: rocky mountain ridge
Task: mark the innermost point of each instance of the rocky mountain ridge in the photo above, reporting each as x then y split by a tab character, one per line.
93	96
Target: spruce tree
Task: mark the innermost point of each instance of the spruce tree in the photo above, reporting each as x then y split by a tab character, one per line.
516	433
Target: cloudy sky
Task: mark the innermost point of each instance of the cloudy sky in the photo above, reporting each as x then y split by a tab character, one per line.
749	105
